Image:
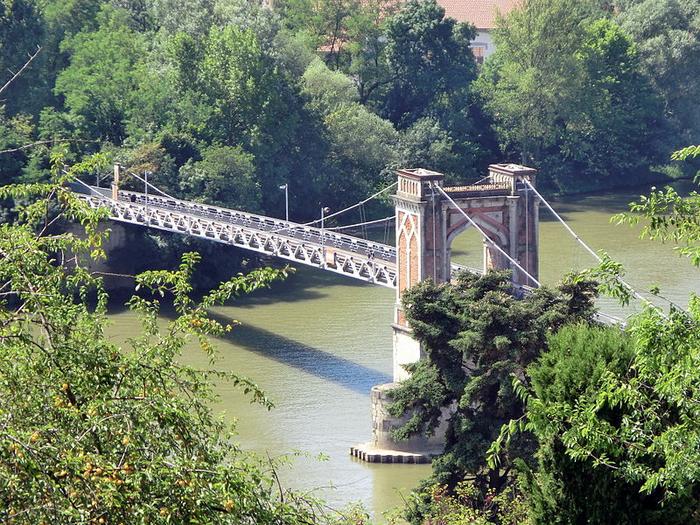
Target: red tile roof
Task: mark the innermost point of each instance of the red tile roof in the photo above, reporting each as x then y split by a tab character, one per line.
481	13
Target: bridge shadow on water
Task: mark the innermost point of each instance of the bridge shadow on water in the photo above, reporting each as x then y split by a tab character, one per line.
305	283
320	363
315	361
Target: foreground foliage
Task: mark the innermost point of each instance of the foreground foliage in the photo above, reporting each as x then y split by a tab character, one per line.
94	432
599	416
466	505
630	425
611	413
668	216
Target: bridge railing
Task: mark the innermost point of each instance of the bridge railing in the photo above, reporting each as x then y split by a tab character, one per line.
456	268
280	227
479	190
354	261
263	223
339	247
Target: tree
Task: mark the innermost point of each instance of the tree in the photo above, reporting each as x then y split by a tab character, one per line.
349	35
407	62
566	94
430	73
571	488
666	34
323	23
615	418
149	157
192	17
465	505
100	433
649	446
14	133
476	335
101	77
230	92
429	59
366	47
426	143
225	176
256	15
615	412
327	89
361	145
689	152
623	112
225	83
21	32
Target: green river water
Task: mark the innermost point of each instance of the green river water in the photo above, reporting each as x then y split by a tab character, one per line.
318	342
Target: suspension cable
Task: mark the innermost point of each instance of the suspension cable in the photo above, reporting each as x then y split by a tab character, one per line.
527	229
582	243
480	180
363	219
364	227
337	228
151	185
354	205
434	235
326	217
359	204
373	196
486	237
98	193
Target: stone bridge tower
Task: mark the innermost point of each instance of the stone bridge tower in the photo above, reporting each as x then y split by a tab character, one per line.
427	223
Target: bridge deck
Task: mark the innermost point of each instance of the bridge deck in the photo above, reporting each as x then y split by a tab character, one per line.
344	254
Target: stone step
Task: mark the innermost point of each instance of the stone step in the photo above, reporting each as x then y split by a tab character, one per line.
367	452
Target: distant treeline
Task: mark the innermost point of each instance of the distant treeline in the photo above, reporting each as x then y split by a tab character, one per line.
226	100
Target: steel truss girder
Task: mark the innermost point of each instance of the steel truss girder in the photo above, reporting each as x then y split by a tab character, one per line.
351	264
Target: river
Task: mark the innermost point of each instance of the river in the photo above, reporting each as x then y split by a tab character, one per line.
318	342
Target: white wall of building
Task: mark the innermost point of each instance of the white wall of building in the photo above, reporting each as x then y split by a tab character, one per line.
483	45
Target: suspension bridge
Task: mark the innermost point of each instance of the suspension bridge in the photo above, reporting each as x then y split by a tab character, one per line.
503	207
348	255
325	248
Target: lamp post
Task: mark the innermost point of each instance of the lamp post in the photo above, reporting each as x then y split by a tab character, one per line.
145	185
324	210
285	187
